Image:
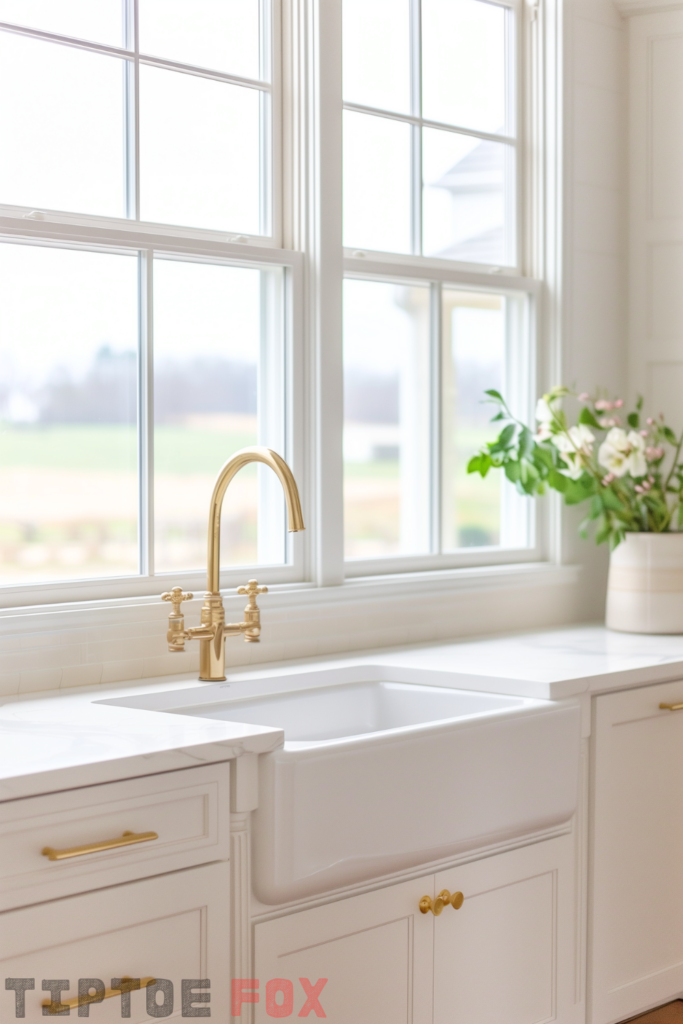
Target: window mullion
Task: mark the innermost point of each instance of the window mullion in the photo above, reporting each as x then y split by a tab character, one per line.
436	423
146	414
416	129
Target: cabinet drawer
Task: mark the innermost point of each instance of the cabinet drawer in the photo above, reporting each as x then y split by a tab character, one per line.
188	811
168	929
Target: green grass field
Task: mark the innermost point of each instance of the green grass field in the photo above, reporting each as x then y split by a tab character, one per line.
114	448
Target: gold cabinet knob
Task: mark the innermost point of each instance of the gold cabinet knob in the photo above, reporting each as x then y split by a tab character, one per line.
444	899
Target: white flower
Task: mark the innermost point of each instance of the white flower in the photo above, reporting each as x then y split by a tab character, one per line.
576	447
621	453
544	413
544	418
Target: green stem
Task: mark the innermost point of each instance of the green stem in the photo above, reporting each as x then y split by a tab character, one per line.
674	463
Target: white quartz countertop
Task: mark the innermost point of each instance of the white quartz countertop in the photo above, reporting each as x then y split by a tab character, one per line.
54	742
69	740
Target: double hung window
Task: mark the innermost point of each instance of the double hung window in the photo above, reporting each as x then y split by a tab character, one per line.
152	323
432	186
145	317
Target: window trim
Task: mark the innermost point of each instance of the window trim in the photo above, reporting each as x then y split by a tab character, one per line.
15	230
369	264
270	126
310	182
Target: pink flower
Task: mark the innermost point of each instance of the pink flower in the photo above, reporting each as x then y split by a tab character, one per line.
607	480
584	396
619	402
650	421
652	454
639	490
610	421
644	433
603	405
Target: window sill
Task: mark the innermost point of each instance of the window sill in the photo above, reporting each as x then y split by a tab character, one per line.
303	595
91	643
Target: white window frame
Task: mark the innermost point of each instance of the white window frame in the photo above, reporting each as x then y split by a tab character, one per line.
510	280
307	242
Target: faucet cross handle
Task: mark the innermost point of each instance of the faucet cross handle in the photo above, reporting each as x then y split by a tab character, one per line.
252	589
176	597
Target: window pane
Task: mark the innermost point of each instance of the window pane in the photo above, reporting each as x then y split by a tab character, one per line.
386	419
464	66
68	412
199	152
376	48
220	34
218	387
98	20
376	183
468	198
61	124
474	359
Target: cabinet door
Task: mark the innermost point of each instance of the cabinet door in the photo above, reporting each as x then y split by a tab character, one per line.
174	927
637	860
375	951
508	953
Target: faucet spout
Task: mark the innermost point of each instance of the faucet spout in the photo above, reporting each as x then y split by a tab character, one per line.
214	629
240	459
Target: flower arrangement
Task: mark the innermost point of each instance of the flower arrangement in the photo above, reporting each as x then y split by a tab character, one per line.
628	472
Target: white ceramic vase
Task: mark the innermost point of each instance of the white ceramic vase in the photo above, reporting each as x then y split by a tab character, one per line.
645	586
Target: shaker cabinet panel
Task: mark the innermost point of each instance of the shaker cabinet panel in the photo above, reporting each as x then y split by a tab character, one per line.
170	928
637	851
182	819
375	950
509	954
497	957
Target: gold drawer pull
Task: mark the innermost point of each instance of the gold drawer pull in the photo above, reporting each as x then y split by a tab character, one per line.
127	985
127	839
671	707
444	899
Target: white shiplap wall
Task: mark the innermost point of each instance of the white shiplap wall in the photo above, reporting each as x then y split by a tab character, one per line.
656	211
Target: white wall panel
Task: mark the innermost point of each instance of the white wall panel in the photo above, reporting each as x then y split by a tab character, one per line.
656	211
665	137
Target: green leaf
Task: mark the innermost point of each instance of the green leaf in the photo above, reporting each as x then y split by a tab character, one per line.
587	417
495	394
504	440
639	403
499	416
604	529
558	481
633	420
480	463
611	501
669	435
578	490
526	443
513	471
544	456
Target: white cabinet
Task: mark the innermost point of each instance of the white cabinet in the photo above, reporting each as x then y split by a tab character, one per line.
509	953
636	937
188	813
374	949
171	928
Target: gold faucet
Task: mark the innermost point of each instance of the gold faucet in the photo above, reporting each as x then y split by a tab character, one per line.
214	629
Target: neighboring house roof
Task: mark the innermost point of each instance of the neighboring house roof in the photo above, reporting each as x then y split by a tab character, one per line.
482	170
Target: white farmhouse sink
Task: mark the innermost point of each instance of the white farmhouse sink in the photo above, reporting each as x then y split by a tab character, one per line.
381	770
